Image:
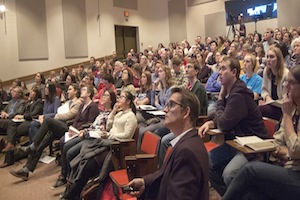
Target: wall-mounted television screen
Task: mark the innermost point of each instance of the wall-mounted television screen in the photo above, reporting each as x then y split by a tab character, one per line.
252	10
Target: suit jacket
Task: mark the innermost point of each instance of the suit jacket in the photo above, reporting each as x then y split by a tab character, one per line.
19	108
184	175
33	110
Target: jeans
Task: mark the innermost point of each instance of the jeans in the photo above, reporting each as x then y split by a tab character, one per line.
258	180
34	127
224	163
69	151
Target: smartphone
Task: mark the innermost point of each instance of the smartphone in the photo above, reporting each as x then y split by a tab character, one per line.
128	189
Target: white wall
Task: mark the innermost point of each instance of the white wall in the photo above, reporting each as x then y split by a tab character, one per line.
151	18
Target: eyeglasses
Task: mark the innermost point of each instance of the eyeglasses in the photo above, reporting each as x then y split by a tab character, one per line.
122	97
172	104
105	95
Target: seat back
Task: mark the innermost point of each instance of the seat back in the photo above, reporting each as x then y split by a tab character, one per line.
121	149
150	143
270	125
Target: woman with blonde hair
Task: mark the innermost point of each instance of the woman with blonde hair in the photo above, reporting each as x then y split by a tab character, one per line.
251	79
272	87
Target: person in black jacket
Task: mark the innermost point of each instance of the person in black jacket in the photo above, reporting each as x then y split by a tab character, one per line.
20	124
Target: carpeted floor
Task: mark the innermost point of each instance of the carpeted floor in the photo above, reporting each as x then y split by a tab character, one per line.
38	187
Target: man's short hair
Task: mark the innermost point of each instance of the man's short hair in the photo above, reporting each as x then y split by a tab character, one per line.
233	64
189	99
90	89
108	78
20	91
176	61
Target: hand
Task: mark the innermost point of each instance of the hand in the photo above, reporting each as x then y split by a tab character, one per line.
204	128
19	117
268	99
104	134
41	119
137	183
116	108
223	93
261	102
4	115
287	105
81	133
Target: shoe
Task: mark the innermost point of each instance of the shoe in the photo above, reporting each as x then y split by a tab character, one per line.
61	181
20	174
8	147
27	150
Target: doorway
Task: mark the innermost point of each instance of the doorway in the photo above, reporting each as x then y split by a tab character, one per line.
126	39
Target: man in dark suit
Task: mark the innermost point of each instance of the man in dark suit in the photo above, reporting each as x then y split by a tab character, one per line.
184	174
14	107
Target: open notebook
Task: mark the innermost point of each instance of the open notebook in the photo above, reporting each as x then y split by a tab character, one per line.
255	143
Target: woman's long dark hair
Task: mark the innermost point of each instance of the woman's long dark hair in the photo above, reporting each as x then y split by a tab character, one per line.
113	97
130	78
52	92
38	93
130	98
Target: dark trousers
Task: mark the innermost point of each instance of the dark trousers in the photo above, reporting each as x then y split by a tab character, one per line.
69	150
15	130
51	129
3	124
262	181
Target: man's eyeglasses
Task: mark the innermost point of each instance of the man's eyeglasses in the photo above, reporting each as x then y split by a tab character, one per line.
172	104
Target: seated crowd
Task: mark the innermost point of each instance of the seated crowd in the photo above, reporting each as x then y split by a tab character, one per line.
231	83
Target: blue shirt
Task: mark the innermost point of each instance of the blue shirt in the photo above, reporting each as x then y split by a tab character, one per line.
254	83
212	84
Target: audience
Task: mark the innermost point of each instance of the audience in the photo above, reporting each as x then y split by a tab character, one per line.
242	120
121	124
86	113
51	104
260	180
72	149
20	124
149	76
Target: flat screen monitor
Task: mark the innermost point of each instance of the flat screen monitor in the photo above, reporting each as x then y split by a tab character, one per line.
252	10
